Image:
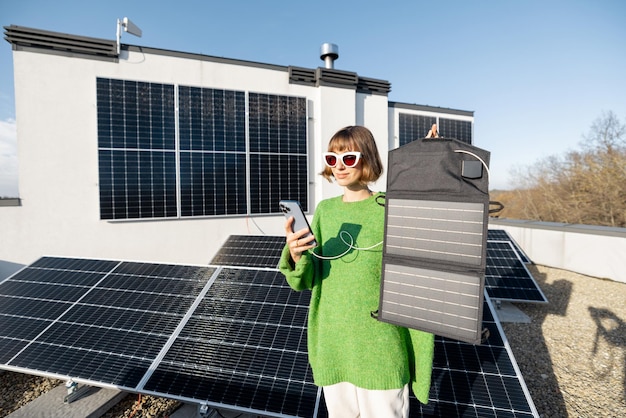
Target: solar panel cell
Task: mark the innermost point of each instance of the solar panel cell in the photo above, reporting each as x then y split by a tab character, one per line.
141	321
250	251
75	264
9	347
27	306
502	235
22	328
506	276
97	366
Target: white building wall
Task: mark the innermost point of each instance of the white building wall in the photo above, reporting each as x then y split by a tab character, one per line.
334	109
58	154
371	111
57	133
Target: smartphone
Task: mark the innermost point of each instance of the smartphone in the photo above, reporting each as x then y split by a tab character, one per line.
292	208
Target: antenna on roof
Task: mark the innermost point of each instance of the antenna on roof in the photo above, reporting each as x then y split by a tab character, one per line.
129	27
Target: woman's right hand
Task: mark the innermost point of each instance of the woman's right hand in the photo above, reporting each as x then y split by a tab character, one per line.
297	241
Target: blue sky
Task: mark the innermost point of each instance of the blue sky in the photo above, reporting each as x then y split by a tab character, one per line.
536	73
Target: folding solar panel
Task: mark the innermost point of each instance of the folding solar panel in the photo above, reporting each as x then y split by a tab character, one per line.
436	217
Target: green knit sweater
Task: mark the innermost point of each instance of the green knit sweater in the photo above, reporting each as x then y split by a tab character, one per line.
345	343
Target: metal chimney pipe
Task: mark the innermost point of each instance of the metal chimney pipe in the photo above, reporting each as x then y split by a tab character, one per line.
329	53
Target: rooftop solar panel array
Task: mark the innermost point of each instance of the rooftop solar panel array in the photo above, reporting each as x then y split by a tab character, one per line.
226	336
220	336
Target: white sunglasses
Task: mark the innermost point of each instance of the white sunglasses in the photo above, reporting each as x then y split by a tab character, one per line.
349	159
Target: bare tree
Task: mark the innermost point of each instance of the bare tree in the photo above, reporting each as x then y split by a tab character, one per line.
586	186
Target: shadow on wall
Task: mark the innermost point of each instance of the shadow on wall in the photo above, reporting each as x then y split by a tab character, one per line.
8	268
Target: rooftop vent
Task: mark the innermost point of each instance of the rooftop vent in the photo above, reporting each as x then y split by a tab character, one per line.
329	53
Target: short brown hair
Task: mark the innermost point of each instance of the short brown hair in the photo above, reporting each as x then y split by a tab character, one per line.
357	138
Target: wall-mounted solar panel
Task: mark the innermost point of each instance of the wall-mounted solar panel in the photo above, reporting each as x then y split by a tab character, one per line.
436	216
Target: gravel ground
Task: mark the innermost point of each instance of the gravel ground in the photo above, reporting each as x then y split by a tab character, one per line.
572	355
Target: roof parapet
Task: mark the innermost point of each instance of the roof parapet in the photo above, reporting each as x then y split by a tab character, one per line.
22	37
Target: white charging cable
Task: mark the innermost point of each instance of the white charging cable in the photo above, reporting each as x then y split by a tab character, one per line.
350	247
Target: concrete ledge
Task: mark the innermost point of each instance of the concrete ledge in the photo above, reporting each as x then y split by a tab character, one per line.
50	405
595	251
507	312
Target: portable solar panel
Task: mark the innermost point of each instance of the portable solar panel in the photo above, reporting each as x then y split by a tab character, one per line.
434	253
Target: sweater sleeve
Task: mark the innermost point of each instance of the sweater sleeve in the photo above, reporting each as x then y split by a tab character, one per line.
422	347
298	275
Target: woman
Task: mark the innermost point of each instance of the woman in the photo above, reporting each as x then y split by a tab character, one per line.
364	366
